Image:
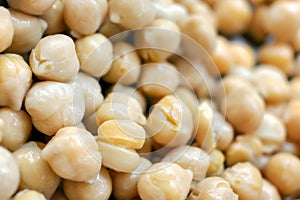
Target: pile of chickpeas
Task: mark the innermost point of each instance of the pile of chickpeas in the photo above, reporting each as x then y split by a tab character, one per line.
149	99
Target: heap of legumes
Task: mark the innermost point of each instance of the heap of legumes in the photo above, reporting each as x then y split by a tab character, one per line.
149	99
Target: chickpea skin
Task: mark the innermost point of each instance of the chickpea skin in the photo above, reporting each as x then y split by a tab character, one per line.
33	7
6	29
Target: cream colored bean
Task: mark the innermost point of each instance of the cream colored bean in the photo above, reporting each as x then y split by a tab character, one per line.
6	29
153	41
192	158
295	87
244	148
256	28
245	180
67	105
16	128
28	31
110	29
91	91
96	188
291	147
15	80
211	189
170	122
269	191
290	117
216	163
10	174
158	79
29	195
36	7
131	14
84	17
54	59
88	50
125	68
111	155
169	10
243	54
165	181
271	132
282	171
125	184
35	171
91	124
261	161
80	160
188	97
55	18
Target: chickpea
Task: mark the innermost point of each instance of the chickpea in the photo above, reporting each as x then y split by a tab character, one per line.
295	87
169	10
245	180
282	171
29	195
216	163
16	128
91	123
77	161
84	17
111	155
54	58
192	158
158	79
261	161
257	28
99	187
213	188
279	55
15	80
291	147
243	54
10	174
164	181
125	69
125	184
122	133
6	29
131	14
91	91
35	171
271	132
269	191
153	41
37	7
28	31
244	148
109	29
89	48
188	97
55	18
67	105
170	122
290	117
120	106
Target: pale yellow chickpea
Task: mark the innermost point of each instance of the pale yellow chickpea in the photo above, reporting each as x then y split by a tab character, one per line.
216	163
290	118
189	157
89	48
213	188
164	181
66	105
35	171
55	18
269	191
131	14
110	29
16	128
170	122
92	93
279	55
245	180
125	68
158	79
84	17
10	174
271	132
54	59
261	161
15	80
125	184
99	187
233	16
290	147
80	160
27	194
282	171
36	7
28	31
257	28
153	41
243	54
6	29
188	97
277	110
244	148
